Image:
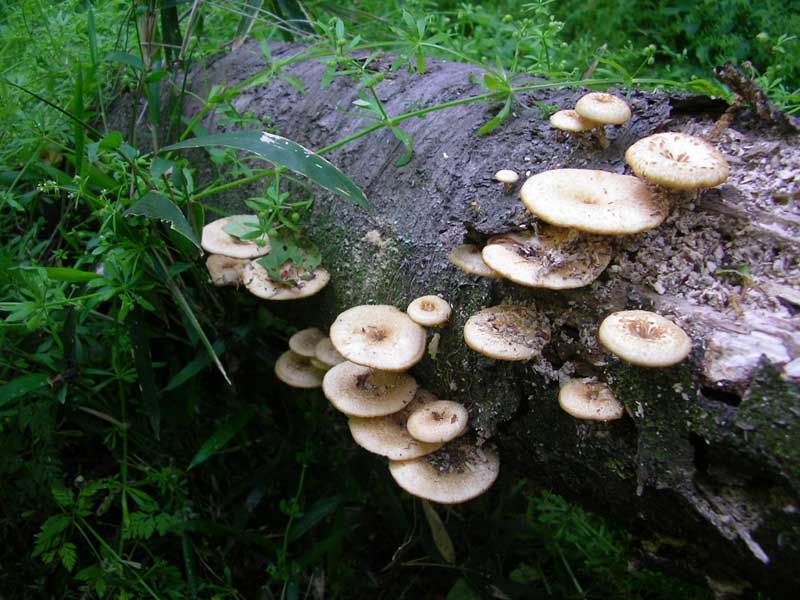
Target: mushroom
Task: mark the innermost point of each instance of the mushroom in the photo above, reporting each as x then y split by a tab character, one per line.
590	400
439	421
326	353
388	435
604	109
556	258
507	332
225	270
677	161
304	342
360	391
571	122
297	371
507	177
430	311
457	472
216	241
295	283
378	336
467	257
594	201
644	338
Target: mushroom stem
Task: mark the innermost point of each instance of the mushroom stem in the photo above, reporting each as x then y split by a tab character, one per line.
600	134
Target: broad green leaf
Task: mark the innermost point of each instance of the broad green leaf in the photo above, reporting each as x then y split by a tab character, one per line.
19	387
284	152
290	247
69	274
125	59
440	536
140	340
158	206
220	438
408	142
241	225
313	516
497	120
193	368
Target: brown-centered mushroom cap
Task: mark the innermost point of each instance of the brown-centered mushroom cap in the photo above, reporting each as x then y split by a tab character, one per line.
590	400
360	391
604	108
594	201
557	258
304	342
570	120
225	270
439	421
216	241
297	371
467	257
388	435
297	284
378	336
644	338
677	161
429	311
325	352
457	472
507	332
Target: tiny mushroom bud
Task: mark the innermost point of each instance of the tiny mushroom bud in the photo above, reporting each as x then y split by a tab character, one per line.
297	371
304	342
429	311
215	240
507	332
590	400
225	270
467	257
507	177
644	338
360	391
439	421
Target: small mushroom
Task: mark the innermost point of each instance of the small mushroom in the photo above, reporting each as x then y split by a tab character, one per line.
388	435
455	473
507	332
326	353
467	257
594	201
507	177
378	336
644	338
572	123
429	311
225	270
216	241
555	258
677	161
360	391
439	421
297	371
294	284
304	342
604	109
590	400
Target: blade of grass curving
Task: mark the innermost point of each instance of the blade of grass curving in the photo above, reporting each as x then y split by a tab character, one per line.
140	340
157	206
220	438
249	18
440	536
190	563
79	132
286	153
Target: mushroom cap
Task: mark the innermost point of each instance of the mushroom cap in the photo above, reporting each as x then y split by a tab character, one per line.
467	257
439	421
506	176
677	161
304	284
644	338
297	371
429	311
594	201
304	342
216	241
225	270
590	400
557	258
507	332
570	120
455	473
604	108
360	391
378	336
325	352
388	435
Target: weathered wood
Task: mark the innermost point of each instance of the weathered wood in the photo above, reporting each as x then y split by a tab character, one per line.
706	467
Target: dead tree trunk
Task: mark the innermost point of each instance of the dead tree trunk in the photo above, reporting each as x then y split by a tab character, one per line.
705	468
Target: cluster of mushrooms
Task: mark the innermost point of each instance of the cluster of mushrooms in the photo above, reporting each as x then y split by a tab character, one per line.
234	262
581	210
362	368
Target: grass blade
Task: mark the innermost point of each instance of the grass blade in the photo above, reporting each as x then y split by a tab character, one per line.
220	438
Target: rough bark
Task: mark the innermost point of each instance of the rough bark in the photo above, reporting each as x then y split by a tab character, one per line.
706	466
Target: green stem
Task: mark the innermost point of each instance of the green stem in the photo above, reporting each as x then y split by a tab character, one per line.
124	469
